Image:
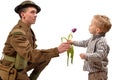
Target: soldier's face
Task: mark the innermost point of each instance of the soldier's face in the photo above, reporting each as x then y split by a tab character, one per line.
29	15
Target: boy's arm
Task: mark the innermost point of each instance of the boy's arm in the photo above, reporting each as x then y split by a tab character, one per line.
83	43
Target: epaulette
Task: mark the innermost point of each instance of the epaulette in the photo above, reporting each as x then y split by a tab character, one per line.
17	32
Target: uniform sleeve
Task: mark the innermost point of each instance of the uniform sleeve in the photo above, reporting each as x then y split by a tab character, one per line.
22	46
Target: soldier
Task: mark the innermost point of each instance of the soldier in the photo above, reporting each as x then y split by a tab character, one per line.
20	48
0	78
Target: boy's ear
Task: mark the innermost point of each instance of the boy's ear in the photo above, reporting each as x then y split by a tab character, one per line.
98	30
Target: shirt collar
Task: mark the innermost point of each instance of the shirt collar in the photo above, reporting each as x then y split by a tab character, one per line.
98	36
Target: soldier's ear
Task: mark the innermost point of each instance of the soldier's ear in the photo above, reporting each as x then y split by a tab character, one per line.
22	14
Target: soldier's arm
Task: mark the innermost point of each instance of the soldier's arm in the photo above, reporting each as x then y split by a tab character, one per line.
23	47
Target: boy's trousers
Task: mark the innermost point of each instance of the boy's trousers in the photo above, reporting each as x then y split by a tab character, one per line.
101	75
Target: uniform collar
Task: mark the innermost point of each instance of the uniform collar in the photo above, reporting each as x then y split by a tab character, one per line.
23	25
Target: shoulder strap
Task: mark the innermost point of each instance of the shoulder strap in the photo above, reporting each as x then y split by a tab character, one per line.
18	31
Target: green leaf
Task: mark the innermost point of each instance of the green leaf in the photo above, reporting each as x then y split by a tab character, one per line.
70	36
68	58
72	54
63	38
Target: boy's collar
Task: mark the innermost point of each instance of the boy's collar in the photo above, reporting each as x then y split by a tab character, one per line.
98	35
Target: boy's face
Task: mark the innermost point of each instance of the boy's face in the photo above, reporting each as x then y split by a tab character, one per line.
93	29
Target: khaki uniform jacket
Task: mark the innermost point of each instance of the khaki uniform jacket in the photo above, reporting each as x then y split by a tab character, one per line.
21	40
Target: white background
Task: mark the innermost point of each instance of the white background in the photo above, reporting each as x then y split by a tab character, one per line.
56	20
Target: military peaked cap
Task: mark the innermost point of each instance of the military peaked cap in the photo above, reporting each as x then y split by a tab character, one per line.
26	4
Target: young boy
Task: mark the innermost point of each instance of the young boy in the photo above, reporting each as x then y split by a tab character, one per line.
95	58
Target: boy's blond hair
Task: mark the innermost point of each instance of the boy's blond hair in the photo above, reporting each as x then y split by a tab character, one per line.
102	22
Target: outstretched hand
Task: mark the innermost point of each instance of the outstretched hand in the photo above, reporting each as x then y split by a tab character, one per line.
70	41
64	47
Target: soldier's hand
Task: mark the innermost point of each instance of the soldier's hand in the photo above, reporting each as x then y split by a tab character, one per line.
70	41
64	47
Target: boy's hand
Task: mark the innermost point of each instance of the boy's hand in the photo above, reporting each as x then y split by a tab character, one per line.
82	56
